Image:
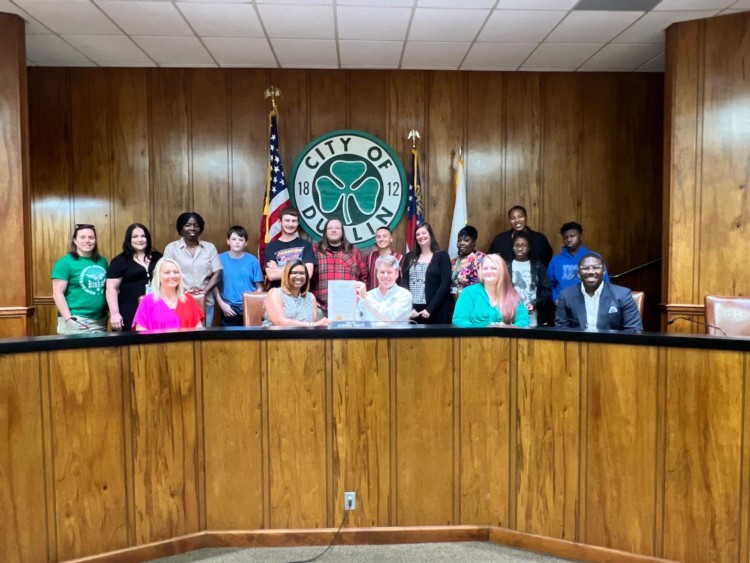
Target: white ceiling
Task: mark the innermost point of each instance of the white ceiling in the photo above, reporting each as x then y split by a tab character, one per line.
546	35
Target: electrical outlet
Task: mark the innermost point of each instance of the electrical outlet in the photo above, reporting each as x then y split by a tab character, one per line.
350	501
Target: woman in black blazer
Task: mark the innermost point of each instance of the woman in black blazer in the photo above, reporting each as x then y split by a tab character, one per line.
427	274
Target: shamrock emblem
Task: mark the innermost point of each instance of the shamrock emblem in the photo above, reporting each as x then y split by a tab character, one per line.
345	186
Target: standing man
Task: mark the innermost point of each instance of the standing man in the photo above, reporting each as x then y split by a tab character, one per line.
595	304
383	241
288	247
563	269
337	259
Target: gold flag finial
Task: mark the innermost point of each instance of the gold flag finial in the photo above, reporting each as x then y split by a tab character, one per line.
272	92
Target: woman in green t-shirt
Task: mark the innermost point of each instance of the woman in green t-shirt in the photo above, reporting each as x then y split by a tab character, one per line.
78	282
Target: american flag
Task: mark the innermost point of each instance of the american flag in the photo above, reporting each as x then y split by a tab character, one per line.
277	194
414	213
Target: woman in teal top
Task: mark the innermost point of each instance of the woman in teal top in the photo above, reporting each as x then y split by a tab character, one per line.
493	301
78	281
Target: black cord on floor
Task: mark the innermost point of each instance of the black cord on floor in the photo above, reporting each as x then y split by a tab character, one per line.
330	545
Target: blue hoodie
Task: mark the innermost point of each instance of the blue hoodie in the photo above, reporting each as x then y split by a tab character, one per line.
563	270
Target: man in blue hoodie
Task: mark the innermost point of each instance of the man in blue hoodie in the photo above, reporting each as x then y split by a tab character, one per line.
563	269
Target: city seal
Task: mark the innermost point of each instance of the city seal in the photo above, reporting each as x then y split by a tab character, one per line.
351	176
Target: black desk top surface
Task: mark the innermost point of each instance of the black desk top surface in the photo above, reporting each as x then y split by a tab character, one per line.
48	343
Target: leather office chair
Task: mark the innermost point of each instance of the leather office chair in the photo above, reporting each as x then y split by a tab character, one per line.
253	304
730	314
639	297
200	301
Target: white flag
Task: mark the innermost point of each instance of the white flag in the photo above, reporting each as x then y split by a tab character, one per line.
460	215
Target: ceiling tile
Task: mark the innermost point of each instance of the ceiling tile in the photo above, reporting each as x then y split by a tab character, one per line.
223	20
297	2
303	22
434	55
592	27
693	5
741	5
560	56
379	3
622	56
733	11
650	28
79	17
378	24
536	4
464	4
109	50
520	26
370	54
654	65
50	50
446	25
306	53
146	18
169	51
247	52
32	26
497	56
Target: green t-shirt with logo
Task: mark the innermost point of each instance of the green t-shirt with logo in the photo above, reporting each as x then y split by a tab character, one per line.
86	282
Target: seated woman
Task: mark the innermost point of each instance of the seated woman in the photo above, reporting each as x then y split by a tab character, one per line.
167	306
293	304
530	280
493	301
387	302
465	266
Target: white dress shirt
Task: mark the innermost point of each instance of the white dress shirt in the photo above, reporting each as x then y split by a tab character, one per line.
592	306
395	305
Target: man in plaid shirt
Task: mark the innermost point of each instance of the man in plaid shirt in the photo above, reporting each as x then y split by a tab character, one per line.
338	259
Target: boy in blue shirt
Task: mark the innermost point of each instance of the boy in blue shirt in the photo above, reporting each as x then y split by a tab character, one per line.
241	274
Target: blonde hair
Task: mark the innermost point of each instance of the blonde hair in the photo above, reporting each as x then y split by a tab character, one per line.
507	296
156	281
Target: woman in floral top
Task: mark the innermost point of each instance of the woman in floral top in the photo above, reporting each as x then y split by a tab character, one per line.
465	267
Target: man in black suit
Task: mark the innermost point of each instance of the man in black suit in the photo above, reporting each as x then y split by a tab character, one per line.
594	304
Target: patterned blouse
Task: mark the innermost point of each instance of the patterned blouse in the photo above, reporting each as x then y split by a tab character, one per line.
417	274
297	308
465	271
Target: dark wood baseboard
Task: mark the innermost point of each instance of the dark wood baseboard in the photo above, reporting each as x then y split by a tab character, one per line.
567	549
367	536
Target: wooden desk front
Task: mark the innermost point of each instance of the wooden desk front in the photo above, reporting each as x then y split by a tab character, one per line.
635	443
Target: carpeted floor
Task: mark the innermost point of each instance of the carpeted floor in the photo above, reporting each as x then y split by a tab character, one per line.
458	552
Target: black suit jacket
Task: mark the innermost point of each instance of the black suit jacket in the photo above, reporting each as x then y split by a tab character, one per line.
617	310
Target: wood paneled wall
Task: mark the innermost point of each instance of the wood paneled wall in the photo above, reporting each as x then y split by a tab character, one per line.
707	175
642	449
112	146
15	296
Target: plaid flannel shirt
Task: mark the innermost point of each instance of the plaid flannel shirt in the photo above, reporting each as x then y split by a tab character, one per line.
336	266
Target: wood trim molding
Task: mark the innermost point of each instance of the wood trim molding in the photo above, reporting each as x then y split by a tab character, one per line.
682	308
567	549
44	300
16	312
367	536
